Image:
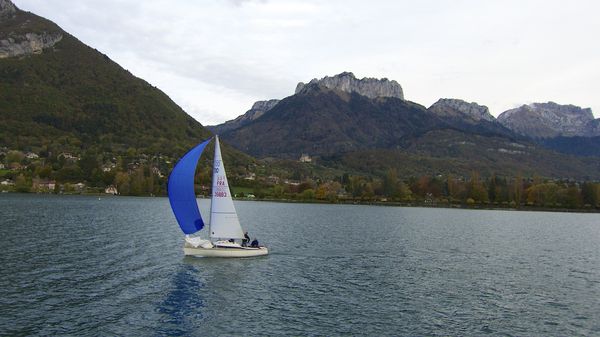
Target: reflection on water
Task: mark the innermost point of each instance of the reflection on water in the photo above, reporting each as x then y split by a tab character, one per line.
185	297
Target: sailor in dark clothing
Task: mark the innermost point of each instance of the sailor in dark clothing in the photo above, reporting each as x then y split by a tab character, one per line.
254	243
245	240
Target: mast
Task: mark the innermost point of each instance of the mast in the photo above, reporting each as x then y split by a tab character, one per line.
212	190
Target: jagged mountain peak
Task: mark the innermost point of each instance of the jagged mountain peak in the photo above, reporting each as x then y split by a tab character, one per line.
258	109
347	82
264	105
546	120
7	9
552	108
7	6
23	33
451	107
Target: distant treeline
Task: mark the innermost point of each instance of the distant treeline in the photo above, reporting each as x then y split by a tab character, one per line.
134	173
491	191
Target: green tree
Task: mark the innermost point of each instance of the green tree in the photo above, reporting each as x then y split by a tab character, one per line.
109	177
21	184
356	186
570	197
368	192
544	194
122	183
589	193
403	192
69	173
88	163
455	188
44	172
308	194
492	188
390	182
278	191
137	182
517	190
502	190
476	189
14	157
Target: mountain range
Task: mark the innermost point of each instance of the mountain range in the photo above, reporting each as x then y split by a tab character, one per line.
344	120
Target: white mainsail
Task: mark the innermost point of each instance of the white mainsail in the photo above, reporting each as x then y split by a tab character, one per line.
224	222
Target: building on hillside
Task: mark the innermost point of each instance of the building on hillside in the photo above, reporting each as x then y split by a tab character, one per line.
67	156
305	158
108	167
31	155
2	166
291	182
15	167
7	182
156	171
49	185
342	193
111	190
43	185
131	167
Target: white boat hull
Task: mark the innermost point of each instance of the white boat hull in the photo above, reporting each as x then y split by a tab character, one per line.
224	251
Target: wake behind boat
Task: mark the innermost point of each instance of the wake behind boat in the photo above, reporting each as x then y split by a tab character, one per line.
224	232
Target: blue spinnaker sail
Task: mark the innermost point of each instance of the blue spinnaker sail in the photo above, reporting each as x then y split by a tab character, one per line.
181	191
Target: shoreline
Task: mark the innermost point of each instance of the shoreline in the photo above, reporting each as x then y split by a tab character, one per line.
523	208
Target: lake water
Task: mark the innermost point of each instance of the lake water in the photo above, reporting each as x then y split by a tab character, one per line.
80	266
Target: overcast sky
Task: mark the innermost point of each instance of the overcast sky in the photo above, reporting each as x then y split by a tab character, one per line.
215	58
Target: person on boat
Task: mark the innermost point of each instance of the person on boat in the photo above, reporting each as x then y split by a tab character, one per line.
254	243
245	240
232	240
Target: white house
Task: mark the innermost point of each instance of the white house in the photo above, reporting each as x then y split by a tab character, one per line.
46	185
156	171
304	158
7	182
111	190
108	167
68	156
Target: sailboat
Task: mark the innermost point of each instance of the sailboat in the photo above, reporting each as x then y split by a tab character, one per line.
224	232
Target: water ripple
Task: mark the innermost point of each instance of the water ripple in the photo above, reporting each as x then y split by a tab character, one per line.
114	266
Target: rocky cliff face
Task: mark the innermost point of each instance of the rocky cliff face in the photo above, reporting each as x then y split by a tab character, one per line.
470	117
263	106
27	44
7	10
20	34
548	120
369	87
258	109
449	107
593	128
325	122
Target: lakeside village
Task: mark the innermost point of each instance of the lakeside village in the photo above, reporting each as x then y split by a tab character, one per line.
302	180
